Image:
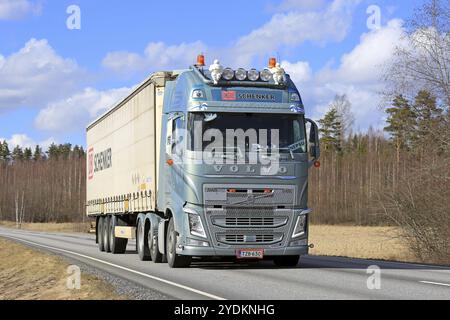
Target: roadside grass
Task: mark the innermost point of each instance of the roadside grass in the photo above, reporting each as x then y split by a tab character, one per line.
27	274
382	243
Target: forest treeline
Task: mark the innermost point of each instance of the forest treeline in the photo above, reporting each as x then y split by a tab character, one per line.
39	186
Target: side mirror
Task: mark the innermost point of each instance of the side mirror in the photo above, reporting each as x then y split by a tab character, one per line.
314	144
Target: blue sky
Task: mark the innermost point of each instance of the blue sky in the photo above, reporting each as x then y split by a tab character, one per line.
54	80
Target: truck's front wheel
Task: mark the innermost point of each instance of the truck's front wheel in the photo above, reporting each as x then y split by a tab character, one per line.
286	261
175	260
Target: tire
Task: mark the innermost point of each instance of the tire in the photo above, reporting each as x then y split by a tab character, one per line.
106	226
100	237
286	261
155	255
175	260
117	245
142	241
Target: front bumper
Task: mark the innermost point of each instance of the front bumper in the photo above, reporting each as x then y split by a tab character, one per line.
226	252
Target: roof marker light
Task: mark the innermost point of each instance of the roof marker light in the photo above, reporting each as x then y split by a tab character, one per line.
272	63
200	60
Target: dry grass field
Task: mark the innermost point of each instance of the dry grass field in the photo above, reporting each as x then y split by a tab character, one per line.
26	274
50	227
384	243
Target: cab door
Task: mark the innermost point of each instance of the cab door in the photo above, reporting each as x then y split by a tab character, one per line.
175	148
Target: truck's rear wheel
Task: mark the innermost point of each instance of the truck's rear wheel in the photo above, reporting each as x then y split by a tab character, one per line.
156	256
117	245
106	226
142	241
286	261
100	237
175	260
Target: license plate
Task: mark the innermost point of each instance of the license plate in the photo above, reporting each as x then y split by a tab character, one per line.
250	253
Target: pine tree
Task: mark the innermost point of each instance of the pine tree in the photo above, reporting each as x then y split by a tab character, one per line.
27	154
5	154
65	150
428	118
401	123
17	153
38	154
331	130
53	152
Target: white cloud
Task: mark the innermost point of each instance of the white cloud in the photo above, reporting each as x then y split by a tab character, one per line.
35	75
300	71
319	24
358	75
157	56
17	9
364	63
75	112
24	141
293	28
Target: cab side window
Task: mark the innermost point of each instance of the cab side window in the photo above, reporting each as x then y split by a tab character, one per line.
178	130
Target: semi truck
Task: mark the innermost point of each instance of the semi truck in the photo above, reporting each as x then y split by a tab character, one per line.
159	172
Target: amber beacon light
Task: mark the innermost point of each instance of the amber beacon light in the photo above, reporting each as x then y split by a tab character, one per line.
201	60
272	63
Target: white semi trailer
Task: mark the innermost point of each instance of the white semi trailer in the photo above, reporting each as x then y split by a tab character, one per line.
145	180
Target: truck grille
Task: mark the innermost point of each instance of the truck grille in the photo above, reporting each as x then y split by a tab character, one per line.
249	215
249	238
252	222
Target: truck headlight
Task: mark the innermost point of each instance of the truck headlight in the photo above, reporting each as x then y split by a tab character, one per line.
300	226
196	225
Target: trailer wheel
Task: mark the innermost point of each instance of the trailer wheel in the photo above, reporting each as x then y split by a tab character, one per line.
175	260
106	226
117	245
156	256
286	261
100	237
142	241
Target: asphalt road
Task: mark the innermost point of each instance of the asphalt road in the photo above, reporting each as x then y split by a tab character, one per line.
314	278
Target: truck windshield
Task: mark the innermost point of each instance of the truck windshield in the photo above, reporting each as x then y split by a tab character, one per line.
284	132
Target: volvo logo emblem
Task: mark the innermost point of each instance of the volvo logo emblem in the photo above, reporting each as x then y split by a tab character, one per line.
249	169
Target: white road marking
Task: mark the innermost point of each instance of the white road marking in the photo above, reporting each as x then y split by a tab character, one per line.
436	283
209	295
